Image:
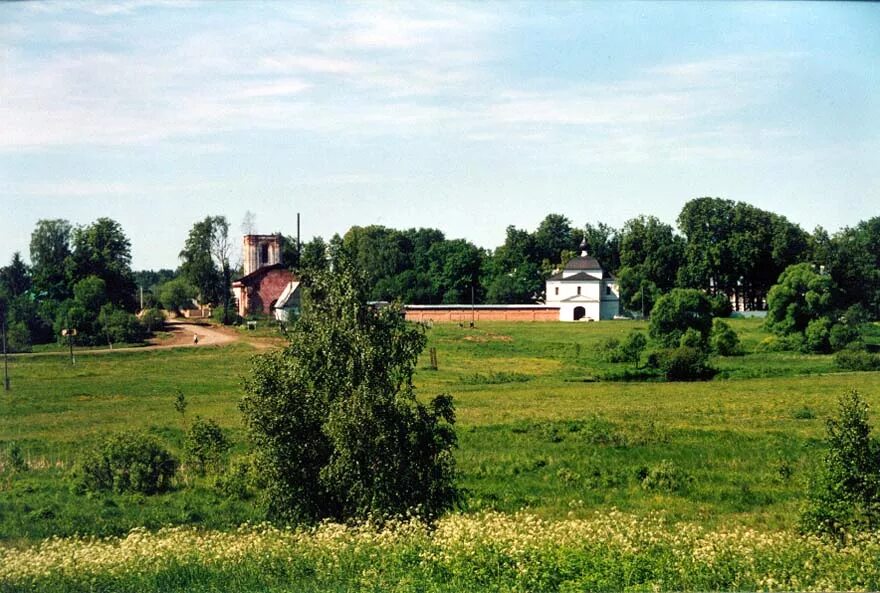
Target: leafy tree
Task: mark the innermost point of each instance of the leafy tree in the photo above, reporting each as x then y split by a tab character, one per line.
554	236
736	249
455	270
650	256
800	296
337	427
50	253
176	294
676	312
520	285
206	262
91	293
846	496
632	347
205	445
314	257
854	264
101	249
15	278
603	243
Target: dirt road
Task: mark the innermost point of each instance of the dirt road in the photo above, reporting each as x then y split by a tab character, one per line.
179	334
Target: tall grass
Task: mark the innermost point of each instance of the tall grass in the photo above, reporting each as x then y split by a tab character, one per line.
485	552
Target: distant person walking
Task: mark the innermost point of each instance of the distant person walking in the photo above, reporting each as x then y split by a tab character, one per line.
195	338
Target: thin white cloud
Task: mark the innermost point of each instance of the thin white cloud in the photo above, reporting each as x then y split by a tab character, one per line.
369	71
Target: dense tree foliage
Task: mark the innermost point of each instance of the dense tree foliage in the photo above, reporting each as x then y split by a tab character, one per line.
846	496
338	429
650	256
680	310
732	251
101	249
800	296
736	249
853	260
206	262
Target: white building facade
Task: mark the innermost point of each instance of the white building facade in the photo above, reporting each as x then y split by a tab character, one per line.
583	291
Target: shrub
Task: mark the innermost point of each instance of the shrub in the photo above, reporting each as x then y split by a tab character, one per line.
665	476
676	312
232	316
692	339
632	347
844	334
846	496
780	344
15	458
721	306
119	326
127	462
804	413
856	360
681	364
238	481
152	319
609	350
205	445
816	335
724	340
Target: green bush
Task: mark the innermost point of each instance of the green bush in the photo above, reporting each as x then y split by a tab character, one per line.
238	481
609	350
724	340
692	339
856	360
14	458
780	344
127	462
676	312
666	477
205	445
721	306
681	364
816	335
118	326
152	320
844	334
846	496
232	316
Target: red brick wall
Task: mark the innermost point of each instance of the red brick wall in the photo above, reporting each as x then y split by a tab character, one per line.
271	285
464	314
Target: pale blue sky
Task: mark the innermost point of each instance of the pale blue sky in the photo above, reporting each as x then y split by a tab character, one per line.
465	117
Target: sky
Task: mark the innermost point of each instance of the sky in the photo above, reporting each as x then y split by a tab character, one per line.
464	117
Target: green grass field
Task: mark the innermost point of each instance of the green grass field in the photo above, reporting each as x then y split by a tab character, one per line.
537	431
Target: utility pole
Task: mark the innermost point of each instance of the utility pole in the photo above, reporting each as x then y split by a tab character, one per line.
5	358
142	297
297	239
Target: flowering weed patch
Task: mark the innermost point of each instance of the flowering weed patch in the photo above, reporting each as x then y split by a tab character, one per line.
485	552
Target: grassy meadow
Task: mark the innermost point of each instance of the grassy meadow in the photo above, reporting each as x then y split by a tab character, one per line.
543	440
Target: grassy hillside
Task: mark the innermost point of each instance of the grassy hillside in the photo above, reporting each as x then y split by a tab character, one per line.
536	429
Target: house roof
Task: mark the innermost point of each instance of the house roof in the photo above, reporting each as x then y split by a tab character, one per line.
583	262
287	295
259	272
579	277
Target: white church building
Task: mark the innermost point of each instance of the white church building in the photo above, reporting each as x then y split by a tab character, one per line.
583	291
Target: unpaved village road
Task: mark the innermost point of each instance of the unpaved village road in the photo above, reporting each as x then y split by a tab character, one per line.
180	335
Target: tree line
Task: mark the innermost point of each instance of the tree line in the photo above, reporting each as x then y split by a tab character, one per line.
728	249
82	277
